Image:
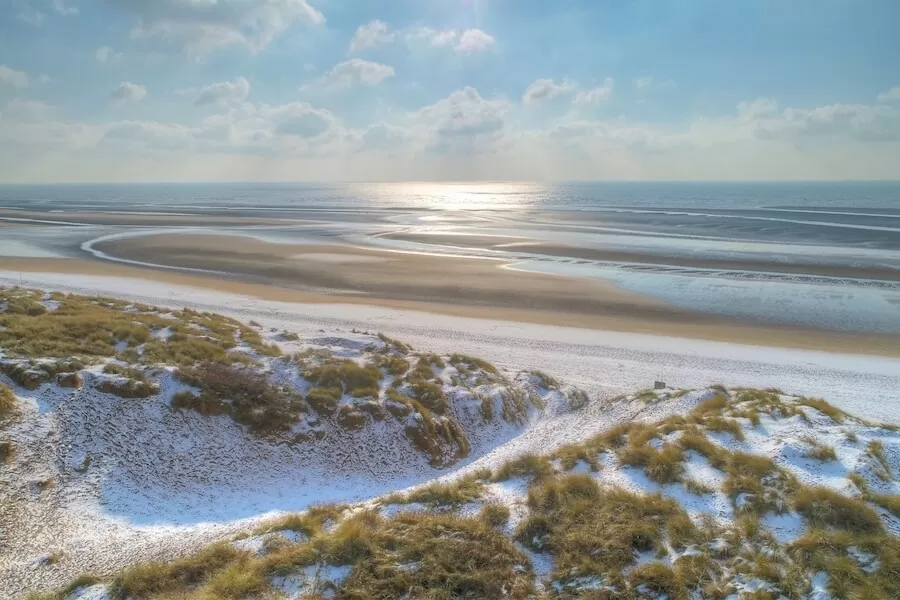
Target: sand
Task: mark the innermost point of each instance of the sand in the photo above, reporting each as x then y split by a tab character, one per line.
616	256
617	310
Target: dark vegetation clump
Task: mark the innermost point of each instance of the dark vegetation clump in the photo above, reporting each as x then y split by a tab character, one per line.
241	392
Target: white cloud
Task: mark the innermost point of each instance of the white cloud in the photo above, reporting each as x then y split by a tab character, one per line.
149	135
754	109
463	122
643	82
25	110
371	34
378	32
128	92
546	89
475	40
224	92
356	72
106	54
63	8
31	16
13	78
595	95
201	27
298	119
892	95
44	78
469	41
459	136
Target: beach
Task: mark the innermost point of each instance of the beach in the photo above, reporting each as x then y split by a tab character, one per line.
665	261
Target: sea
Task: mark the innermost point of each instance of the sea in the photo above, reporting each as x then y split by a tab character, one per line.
824	255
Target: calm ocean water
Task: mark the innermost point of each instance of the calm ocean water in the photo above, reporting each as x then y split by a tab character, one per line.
854	226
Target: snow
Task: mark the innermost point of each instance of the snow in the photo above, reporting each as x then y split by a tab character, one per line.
601	362
134	474
163	333
94	592
315	579
819	587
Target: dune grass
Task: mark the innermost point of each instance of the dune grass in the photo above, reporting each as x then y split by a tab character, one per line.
33	374
446	495
816	450
8	403
592	531
243	393
63	593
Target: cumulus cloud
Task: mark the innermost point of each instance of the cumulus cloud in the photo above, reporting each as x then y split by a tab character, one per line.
467	134
224	92
463	122
356	71
371	34
468	41
299	119
892	95
596	95
474	40
128	92
545	89
106	54
151	134
12	78
25	110
204	26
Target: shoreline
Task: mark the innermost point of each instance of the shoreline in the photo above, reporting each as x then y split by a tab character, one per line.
677	324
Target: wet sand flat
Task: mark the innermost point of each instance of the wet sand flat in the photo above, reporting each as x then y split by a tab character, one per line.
136	219
385	275
617	256
610	309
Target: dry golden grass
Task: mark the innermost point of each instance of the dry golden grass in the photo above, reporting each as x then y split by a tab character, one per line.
431	556
531	466
819	451
827	552
244	394
63	593
7	452
570	455
31	375
346	376
8	403
453	494
875	449
466	364
593	531
91	327
836	414
148	580
824	508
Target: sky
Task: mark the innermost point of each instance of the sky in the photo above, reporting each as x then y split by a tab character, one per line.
366	90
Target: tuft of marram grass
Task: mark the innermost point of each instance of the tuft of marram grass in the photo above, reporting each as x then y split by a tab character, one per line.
8	403
531	466
819	451
452	494
825	508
